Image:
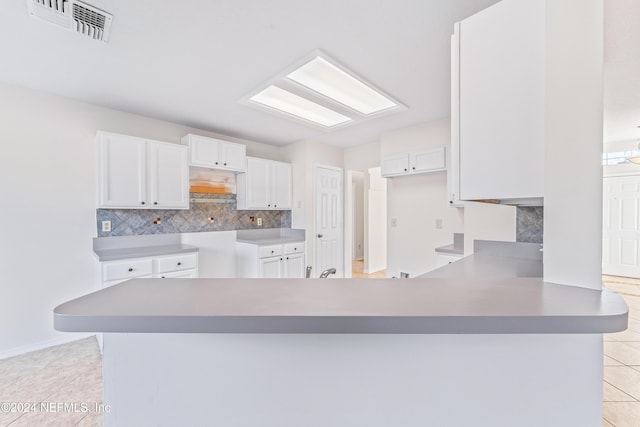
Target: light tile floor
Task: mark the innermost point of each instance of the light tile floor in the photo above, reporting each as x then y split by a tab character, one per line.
72	374
357	271
621	407
38	384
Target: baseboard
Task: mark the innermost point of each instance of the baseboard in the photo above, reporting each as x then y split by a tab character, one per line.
17	351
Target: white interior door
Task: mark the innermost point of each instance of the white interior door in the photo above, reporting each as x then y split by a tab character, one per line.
328	221
621	229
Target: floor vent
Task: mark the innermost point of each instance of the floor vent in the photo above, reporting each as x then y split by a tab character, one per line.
73	15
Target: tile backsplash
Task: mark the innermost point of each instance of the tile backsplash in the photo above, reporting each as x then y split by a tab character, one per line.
529	224
218	214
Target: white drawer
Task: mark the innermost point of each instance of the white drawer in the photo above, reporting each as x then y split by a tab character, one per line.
115	282
127	269
294	248
176	263
179	274
272	250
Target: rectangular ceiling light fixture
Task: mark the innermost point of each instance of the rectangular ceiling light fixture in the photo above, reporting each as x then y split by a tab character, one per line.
290	103
329	80
320	92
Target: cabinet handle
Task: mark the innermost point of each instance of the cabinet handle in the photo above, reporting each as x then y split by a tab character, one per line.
272	251
179	263
130	269
319	236
268	206
405	169
225	164
295	249
414	168
275	206
216	163
142	203
162	277
287	257
280	259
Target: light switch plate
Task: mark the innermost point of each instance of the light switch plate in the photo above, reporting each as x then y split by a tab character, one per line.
259	222
106	226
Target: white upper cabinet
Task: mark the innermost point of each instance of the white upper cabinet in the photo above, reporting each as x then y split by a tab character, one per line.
122	171
267	184
395	165
281	194
424	161
215	153
428	160
168	172
499	110
135	173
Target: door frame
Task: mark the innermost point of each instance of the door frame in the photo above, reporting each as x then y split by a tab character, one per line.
340	214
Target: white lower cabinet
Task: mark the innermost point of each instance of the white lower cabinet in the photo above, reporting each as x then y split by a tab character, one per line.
270	261
183	265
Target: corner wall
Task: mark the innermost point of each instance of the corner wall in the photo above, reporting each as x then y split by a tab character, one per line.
415	202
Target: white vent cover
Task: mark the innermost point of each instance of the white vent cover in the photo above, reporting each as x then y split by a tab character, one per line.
73	15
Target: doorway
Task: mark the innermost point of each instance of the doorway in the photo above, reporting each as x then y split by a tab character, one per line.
621	226
366	223
329	228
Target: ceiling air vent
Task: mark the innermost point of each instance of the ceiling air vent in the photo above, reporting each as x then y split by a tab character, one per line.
91	22
73	15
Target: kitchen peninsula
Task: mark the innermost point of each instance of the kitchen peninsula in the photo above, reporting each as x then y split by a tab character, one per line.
491	346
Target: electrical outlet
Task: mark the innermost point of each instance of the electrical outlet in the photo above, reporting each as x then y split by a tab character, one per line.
394	222
439	224
106	226
259	222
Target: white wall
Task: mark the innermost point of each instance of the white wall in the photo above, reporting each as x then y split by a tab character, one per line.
486	221
358	215
573	136
375	221
416	202
362	157
47	182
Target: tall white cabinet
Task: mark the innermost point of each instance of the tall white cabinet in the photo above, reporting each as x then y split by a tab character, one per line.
498	74
266	185
137	173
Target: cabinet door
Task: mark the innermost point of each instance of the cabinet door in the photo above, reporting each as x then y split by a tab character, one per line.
233	156
395	165
294	266
205	152
502	90
281	185
428	160
258	183
122	174
271	268
168	175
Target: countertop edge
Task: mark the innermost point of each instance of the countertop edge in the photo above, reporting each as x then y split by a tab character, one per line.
607	323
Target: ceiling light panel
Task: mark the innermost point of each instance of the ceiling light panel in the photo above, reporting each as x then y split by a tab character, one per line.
290	103
327	79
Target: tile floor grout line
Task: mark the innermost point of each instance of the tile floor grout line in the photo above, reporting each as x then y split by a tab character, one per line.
619	389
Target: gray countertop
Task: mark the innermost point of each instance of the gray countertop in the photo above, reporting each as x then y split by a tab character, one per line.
484	300
124	247
271	240
456	248
142	252
270	236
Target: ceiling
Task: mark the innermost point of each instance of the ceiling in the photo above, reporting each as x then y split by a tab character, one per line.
190	61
